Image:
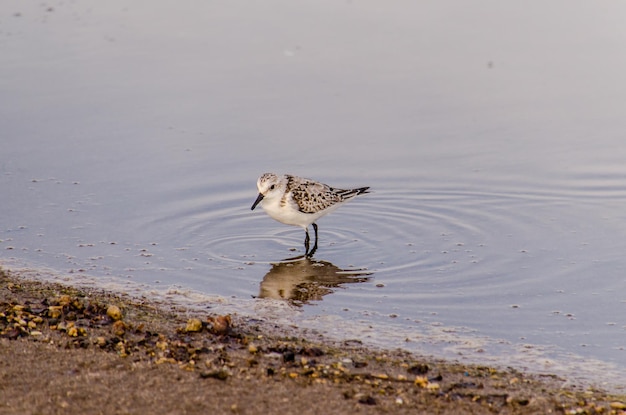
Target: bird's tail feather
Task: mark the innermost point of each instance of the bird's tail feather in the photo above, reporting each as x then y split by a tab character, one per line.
350	193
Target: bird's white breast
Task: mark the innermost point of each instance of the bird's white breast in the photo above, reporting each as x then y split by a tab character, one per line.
287	212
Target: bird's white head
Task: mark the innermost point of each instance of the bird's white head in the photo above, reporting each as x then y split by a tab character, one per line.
270	186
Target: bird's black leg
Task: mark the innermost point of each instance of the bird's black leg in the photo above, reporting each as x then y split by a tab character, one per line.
310	254
306	242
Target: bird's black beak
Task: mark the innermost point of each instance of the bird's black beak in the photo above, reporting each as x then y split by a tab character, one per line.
257	201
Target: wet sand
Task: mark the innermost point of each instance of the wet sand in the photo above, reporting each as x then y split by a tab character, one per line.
83	350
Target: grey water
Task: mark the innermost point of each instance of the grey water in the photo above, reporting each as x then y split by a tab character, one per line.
491	135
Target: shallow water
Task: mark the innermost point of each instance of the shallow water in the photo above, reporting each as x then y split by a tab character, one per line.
491	136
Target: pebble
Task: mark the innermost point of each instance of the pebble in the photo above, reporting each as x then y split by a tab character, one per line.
65	300
433	387
420	369
55	311
221	374
367	400
618	405
119	328
421	381
114	312
220	325
194	325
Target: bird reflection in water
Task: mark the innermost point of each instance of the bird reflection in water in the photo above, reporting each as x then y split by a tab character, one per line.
307	280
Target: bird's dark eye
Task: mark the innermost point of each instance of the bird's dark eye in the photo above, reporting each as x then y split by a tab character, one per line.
272	187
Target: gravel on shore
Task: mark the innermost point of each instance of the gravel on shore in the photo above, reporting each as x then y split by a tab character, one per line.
83	350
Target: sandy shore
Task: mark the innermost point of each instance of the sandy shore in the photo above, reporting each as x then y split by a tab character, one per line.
64	349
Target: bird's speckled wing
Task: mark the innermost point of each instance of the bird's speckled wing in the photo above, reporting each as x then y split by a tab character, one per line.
311	196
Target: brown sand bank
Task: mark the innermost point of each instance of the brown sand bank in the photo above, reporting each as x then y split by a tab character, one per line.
69	350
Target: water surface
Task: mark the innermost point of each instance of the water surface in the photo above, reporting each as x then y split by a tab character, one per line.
491	135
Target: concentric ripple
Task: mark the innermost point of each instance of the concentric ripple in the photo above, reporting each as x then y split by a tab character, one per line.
509	259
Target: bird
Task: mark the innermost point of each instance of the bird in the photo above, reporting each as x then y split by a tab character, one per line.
297	201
